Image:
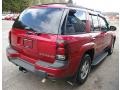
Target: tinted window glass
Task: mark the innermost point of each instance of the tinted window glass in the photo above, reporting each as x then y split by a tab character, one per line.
76	21
95	23
43	20
91	23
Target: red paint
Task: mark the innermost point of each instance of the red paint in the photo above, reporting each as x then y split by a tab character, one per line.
45	47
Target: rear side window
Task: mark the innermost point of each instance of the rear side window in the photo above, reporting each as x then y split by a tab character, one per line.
94	23
75	22
42	20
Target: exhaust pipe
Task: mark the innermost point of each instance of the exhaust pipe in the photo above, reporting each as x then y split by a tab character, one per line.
22	69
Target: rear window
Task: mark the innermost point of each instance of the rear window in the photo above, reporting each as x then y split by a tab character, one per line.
42	20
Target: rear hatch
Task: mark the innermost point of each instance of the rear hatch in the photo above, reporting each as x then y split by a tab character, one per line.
35	31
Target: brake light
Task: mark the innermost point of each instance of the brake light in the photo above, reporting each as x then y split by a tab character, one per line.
61	52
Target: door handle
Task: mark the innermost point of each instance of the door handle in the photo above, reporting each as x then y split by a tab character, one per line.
93	38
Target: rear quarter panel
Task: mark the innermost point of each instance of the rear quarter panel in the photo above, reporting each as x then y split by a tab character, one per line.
77	45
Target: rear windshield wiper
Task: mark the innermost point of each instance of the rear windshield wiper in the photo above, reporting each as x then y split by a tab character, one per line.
28	28
37	33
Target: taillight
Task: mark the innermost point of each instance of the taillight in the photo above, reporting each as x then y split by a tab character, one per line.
10	37
61	50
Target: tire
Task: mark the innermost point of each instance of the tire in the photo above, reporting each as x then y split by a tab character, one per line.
110	50
84	69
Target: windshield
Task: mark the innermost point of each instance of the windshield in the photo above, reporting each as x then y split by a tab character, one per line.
42	20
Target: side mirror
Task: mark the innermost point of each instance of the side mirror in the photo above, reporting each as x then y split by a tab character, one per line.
112	28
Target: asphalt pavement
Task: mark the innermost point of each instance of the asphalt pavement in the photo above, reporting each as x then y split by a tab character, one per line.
104	76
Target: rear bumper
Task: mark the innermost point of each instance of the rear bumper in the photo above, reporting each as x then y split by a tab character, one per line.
58	69
27	66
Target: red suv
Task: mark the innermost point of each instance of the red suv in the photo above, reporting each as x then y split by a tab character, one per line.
60	41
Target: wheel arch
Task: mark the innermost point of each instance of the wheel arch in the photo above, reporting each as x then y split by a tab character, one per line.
114	39
91	52
88	48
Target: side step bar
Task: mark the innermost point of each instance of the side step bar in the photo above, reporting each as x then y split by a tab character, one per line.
99	58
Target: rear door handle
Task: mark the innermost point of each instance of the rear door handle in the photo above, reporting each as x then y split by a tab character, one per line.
93	38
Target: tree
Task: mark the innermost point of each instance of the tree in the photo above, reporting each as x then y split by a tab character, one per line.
15	5
20	5
5	5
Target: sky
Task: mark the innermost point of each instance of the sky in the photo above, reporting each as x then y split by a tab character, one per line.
101	5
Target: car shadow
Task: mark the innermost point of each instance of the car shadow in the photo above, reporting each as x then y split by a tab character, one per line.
95	67
55	85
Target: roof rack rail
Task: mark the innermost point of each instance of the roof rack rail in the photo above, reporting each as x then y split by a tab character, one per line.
77	6
72	5
42	4
52	3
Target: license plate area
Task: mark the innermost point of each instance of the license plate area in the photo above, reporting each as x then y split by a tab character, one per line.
28	43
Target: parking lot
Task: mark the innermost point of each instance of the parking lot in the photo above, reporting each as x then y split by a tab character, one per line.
105	76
